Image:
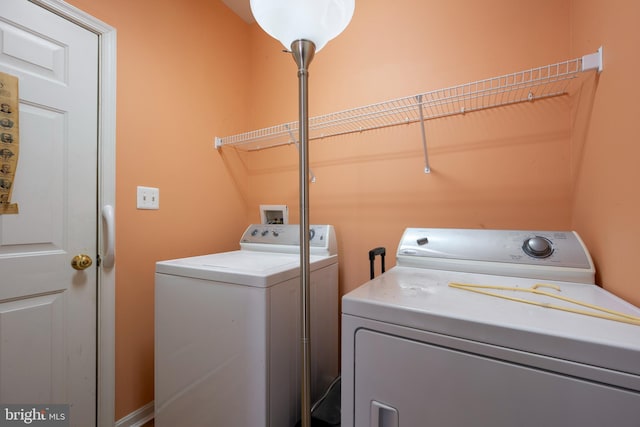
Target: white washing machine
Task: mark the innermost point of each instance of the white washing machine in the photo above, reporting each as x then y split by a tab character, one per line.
417	352
227	330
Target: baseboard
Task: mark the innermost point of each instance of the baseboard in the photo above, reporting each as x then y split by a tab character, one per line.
138	417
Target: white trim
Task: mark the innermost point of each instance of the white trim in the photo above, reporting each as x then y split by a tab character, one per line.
106	196
137	418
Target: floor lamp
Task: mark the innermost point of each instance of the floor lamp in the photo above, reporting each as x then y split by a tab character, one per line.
303	27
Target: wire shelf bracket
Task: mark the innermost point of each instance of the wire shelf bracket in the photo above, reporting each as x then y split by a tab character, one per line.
528	85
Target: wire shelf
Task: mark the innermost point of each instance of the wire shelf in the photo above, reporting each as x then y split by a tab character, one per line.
536	83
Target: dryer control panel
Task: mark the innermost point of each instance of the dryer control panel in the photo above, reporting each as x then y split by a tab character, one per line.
552	255
286	238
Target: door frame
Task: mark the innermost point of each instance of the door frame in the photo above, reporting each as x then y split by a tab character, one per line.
105	373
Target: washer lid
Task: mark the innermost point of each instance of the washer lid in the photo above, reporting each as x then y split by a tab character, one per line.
421	298
250	268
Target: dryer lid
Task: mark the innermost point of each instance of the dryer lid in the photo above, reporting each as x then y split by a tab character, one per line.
421	299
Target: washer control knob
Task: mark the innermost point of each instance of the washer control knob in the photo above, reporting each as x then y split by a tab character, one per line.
264	233
537	247
275	233
254	232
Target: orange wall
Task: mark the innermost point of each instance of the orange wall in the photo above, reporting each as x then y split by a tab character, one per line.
500	168
180	80
606	203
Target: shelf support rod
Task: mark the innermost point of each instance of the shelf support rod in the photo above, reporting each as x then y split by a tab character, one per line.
312	176
427	169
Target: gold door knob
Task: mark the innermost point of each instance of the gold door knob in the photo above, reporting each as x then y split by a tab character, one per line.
81	262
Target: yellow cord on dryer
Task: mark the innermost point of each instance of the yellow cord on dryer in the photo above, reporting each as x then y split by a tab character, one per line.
605	312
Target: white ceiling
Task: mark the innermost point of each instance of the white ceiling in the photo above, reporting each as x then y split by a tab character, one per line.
241	8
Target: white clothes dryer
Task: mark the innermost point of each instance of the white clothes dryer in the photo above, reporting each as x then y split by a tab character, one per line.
418	352
227	330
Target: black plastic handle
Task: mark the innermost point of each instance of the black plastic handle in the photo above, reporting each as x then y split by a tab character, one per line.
372	256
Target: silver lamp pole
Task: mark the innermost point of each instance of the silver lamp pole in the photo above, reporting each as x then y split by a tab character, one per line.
303	52
304	26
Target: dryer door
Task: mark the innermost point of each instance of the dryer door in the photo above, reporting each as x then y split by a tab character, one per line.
402	382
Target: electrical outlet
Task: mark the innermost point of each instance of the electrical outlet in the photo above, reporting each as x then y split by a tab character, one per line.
148	198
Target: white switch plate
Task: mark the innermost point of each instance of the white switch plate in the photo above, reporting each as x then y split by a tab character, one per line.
148	198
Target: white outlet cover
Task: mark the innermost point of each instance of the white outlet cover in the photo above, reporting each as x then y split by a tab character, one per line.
148	198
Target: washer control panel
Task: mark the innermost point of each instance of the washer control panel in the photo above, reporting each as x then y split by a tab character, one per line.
508	252
286	238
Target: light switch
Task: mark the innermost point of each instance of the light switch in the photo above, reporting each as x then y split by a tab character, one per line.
148	198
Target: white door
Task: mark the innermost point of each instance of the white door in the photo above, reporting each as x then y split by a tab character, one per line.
47	308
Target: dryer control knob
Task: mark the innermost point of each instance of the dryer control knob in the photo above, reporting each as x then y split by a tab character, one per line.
537	247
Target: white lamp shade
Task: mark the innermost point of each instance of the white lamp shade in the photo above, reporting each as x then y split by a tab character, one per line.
315	20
